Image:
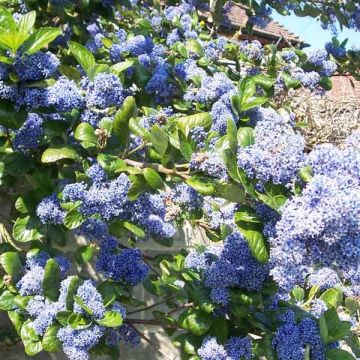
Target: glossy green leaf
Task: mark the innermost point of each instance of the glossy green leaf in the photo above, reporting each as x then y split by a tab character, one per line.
111	164
7	300
159	139
40	38
111	319
186	123
27	22
12	40
153	178
51	281
135	229
195	321
50	342
74	284
121	120
26	229
30	339
54	154
246	136
7	21
9	117
73	219
78	321
202	185
83	56
86	134
338	354
10	261
332	297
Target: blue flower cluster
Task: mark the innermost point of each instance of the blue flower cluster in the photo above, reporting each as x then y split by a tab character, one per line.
210	163
49	210
319	59
106	198
321	227
278	152
292	339
234	266
29	134
236	348
121	265
31	282
36	67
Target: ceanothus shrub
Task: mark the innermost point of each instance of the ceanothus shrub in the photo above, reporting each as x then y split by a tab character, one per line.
123	124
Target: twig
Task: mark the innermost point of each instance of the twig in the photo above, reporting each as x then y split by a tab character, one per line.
150	342
160	168
146	308
151	322
184	306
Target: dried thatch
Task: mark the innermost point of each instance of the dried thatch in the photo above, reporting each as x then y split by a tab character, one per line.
325	118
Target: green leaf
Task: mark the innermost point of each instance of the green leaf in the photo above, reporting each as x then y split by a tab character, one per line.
202	185
81	303
194	46
122	66
137	129
189	343
9	117
54	154
231	135
11	263
16	319
332	297
298	293
195	321
352	304
26	229
257	101
7	21
51	281
159	139
246	136
83	56
231	192
186	123
121	120
7	300
27	22
275	195
75	282
265	81
63	316
50	342
78	321
12	40
338	354
111	164
85	253
135	229
73	219
111	319
153	178
30	339
306	173
40	38
247	90
290	82
253	235
86	134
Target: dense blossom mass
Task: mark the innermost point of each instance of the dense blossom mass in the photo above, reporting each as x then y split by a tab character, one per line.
128	123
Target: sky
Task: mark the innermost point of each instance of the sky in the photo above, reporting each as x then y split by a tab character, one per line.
311	32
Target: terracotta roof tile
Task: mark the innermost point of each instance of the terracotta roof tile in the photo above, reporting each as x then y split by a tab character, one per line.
236	18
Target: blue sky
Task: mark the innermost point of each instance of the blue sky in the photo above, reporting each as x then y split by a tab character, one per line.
311	32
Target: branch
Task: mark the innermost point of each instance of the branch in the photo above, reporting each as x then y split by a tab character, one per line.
151	322
147	307
150	342
159	168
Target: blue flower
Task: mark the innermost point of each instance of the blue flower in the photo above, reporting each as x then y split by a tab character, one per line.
28	136
211	350
91	298
36	67
49	210
106	90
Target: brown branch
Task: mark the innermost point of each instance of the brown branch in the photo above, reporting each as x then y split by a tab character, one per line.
146	307
151	322
184	306
149	342
159	168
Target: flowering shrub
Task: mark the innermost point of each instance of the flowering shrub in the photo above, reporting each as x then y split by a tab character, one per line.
123	123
